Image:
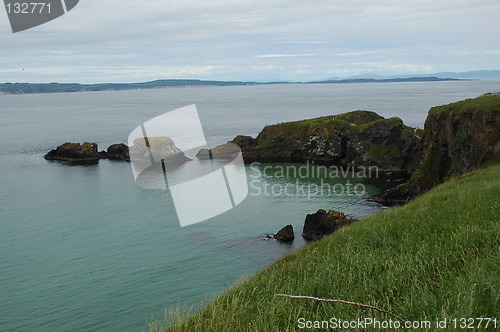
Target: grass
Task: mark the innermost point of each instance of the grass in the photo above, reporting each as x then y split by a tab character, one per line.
483	103
351	124
378	151
432	259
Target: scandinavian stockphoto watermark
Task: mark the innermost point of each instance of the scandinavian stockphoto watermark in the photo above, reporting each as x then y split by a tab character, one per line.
309	180
25	15
163	155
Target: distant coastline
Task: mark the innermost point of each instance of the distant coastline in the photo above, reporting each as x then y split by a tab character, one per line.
30	88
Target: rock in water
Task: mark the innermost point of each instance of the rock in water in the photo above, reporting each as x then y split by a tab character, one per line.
118	152
323	223
285	234
227	151
75	153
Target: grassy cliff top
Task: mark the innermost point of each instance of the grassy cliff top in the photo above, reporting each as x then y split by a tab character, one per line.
352	123
354	117
434	258
487	102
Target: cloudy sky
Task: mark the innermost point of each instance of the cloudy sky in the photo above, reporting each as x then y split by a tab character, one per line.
139	40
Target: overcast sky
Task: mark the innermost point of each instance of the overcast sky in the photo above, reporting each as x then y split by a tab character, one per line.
139	40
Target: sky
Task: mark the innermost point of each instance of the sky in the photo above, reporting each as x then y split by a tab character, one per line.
252	40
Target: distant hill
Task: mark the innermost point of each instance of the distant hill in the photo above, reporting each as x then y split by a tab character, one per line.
458	75
383	80
20	88
471	74
26	88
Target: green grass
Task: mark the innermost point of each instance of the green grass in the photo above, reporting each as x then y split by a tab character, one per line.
434	258
483	103
352	124
378	151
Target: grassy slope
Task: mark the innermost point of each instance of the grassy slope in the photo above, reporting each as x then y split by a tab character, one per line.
481	103
351	124
437	257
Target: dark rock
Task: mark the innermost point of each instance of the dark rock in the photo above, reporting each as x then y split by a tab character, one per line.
244	141
51	155
458	138
75	153
323	223
118	152
228	150
285	234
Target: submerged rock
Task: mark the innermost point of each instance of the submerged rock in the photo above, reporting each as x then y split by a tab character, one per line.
323	223
75	153
285	234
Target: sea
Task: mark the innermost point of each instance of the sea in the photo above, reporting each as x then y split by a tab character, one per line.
84	248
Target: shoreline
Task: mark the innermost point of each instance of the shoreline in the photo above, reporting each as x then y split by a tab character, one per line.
44	88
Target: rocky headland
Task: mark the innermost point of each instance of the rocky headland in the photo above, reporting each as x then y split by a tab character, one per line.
358	138
458	138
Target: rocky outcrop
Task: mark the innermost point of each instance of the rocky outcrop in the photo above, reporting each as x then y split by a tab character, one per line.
285	234
87	153
118	152
458	138
323	223
75	153
359	138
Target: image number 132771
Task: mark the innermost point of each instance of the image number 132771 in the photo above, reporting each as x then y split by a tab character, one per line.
28	8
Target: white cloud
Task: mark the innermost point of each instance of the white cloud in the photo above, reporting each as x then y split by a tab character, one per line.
284	55
223	39
492	52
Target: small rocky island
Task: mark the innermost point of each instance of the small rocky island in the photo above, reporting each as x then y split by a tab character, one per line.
87	153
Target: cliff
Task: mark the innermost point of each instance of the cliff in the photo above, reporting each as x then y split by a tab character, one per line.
358	138
458	138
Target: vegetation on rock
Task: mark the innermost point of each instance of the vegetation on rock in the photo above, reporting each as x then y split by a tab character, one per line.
458	138
358	138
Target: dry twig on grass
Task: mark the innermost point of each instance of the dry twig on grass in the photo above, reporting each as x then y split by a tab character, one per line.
406	323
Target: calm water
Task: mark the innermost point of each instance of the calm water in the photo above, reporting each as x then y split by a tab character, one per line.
84	248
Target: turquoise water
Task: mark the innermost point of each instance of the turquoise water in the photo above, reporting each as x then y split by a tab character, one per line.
84	248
